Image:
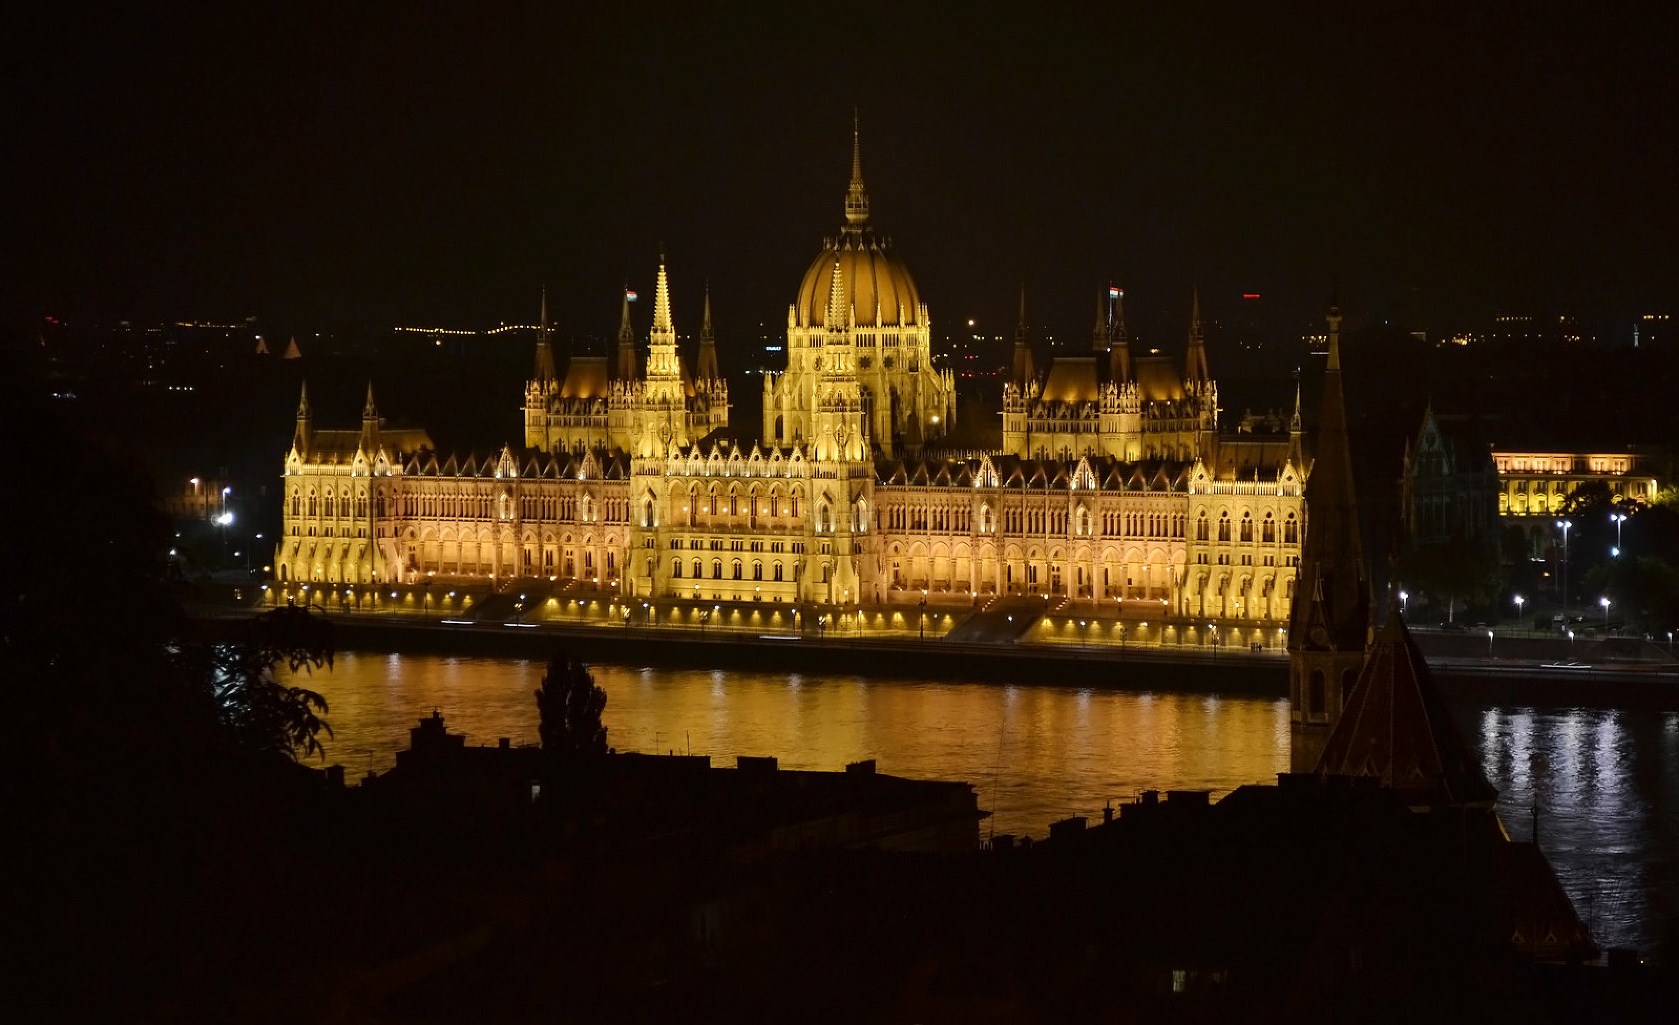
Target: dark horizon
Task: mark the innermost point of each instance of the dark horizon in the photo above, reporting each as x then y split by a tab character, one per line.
323	167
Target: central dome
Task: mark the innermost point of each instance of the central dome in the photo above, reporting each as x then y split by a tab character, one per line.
875	282
874	279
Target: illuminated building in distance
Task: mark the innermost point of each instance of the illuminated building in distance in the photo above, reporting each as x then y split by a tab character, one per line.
1111	481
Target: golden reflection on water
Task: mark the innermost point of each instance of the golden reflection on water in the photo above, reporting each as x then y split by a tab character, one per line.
1035	754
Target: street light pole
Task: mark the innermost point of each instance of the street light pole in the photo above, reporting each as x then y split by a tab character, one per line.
1566	527
1617	519
1519	600
1605	602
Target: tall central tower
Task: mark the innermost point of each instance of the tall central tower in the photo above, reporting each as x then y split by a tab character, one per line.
1329	621
878	336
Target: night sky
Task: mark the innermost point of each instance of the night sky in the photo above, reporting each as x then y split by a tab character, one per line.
350	164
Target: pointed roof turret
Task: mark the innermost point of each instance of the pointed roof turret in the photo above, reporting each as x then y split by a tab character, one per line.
1119	343
856	196
705	366
1332	602
544	351
625	368
1397	727
837	313
305	420
1195	372
370	409
1024	371
661	304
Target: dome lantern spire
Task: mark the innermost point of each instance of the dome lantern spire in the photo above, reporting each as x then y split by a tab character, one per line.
856	196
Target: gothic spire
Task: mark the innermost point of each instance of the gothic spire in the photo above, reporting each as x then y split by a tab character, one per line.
836	317
1329	618
856	196
300	436
370	409
1196	371
626	368
544	352
1119	343
706	361
1024	371
661	304
1099	334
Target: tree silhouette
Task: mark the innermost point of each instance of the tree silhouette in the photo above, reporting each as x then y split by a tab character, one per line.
569	707
258	711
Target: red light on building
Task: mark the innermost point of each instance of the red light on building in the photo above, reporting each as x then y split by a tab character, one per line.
1250	295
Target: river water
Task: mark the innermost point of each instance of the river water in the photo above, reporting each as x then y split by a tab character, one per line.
1606	781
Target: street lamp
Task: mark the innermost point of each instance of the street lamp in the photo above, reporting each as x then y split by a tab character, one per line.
1489	644
1617	519
1519	600
923	622
1605	602
1565	526
1404	599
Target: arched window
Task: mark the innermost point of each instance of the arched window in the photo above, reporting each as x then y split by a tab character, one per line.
676	568
1201	528
1224	526
314	508
734	567
379	505
1268	530
297	504
716	569
1291	531
776	569
1247	527
698	572
757	571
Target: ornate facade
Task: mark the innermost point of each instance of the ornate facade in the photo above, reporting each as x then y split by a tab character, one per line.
1111	484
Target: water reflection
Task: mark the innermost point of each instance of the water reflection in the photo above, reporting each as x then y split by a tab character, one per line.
1605	782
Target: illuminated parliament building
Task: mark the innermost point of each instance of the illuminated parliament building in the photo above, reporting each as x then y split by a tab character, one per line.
1110	483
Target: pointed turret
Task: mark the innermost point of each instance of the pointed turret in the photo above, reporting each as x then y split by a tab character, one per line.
838	312
625	368
1396	727
544	351
1119	343
1195	368
1329	620
856	196
663	364
1024	371
661	306
1099	333
1297	430
705	365
305	421
370	423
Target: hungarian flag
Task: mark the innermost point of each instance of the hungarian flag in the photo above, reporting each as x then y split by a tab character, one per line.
629	294
1114	291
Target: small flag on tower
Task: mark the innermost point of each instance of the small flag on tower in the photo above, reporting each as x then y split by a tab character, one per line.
629	294
1114	291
